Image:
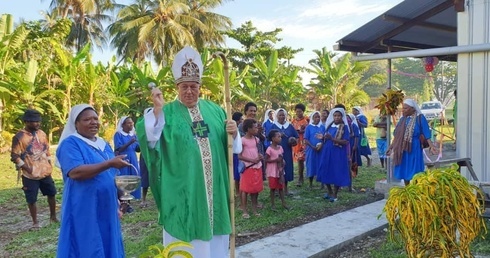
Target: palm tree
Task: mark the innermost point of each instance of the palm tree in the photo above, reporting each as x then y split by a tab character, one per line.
160	28
214	24
87	17
125	32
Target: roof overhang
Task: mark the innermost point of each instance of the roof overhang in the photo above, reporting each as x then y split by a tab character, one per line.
410	25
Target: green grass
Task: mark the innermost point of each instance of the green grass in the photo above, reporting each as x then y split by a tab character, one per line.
140	228
389	249
306	202
481	245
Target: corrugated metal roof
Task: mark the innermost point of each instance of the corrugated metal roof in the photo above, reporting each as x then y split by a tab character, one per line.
412	24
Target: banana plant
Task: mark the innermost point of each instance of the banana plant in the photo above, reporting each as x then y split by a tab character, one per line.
24	91
213	80
267	76
336	79
69	70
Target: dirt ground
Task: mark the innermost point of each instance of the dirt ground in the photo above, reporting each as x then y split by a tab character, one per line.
360	249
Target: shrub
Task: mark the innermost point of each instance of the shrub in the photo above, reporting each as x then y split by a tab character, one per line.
437	215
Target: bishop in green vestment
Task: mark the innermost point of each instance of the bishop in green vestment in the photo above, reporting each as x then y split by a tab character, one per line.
184	144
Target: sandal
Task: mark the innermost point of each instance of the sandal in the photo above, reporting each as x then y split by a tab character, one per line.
257	214
245	216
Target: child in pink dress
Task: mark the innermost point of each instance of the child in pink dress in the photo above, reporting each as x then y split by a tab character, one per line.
275	167
251	179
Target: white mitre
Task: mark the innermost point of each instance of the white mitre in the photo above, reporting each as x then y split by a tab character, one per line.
187	66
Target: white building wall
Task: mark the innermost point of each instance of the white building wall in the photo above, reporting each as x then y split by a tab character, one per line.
473	135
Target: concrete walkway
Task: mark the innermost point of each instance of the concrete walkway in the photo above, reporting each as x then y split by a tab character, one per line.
328	235
321	237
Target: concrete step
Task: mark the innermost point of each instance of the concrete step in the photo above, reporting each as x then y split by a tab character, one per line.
321	237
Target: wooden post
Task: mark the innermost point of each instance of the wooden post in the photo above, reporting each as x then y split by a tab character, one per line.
459	5
230	152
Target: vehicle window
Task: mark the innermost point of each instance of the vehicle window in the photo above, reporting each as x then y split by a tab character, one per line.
431	106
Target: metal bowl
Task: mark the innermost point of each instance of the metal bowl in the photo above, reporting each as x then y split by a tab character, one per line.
128	184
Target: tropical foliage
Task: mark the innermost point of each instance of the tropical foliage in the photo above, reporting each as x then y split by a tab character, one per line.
48	64
160	251
158	28
337	79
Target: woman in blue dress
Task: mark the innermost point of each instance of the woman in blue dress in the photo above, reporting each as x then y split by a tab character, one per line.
354	139
90	225
125	142
362	122
406	148
267	125
289	139
334	162
313	140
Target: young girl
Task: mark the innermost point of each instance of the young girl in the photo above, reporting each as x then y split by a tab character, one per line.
275	167
334	163
251	178
289	135
313	140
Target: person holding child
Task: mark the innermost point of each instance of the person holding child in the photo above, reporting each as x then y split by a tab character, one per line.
251	178
313	140
275	167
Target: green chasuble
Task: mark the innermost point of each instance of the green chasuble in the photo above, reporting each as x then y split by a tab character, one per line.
188	171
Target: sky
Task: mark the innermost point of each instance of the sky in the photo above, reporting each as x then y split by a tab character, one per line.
307	24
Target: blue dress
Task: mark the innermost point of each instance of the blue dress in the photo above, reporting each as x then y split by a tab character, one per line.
120	140
363	150
145	181
288	150
267	128
356	157
236	173
334	163
312	156
90	224
413	162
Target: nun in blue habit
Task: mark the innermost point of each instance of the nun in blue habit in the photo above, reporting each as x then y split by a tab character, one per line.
90	225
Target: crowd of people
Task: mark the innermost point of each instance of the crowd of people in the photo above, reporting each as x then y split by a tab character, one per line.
327	145
183	146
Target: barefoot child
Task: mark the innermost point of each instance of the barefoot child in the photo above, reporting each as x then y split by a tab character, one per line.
251	178
275	167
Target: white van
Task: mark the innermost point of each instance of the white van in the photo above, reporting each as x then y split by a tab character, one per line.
432	109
